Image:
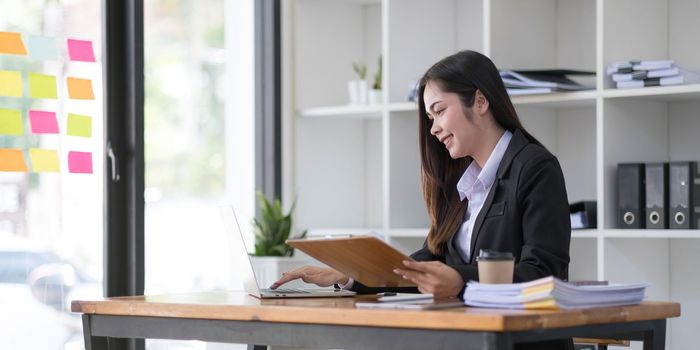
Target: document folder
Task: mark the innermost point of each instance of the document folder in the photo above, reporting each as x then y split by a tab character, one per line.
630	195
656	181
366	259
683	186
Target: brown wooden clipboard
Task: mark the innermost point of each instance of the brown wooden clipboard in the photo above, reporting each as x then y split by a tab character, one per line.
366	259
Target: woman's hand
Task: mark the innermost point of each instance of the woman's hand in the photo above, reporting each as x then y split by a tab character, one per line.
432	277
321	276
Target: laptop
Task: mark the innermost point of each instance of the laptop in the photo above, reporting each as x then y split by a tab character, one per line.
245	268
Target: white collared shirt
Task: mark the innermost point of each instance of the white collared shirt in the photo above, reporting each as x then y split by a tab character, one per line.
474	185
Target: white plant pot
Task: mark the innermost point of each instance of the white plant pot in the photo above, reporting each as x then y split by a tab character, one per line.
357	91
269	269
375	97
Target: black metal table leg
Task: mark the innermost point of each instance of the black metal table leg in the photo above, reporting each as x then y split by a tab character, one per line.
655	339
93	342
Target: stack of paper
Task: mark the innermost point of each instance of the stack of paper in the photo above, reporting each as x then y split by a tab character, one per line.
524	82
636	74
552	293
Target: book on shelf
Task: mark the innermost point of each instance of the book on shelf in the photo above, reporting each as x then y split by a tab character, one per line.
663	81
637	74
637	65
522	82
644	74
552	293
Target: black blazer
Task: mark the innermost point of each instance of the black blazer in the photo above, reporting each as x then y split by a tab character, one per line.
526	212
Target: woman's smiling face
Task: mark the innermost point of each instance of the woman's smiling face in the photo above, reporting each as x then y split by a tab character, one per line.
450	124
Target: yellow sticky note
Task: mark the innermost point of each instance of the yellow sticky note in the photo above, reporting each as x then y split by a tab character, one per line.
10	83
79	125
12	160
80	89
11	43
11	122
42	86
43	160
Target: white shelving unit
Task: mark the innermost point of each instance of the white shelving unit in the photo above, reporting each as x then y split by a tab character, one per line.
355	169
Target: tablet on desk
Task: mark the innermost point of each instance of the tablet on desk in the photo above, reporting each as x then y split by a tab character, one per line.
419	304
393	297
366	259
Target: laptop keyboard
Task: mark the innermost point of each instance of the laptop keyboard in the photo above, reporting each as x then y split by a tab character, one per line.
286	291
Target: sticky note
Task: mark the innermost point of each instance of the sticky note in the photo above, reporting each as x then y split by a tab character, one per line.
80	89
42	48
43	160
43	122
10	83
80	50
42	86
11	43
12	160
79	125
11	122
80	162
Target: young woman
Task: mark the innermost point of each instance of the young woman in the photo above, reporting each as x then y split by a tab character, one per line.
487	184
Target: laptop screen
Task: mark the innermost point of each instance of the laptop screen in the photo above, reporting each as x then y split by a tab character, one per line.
241	260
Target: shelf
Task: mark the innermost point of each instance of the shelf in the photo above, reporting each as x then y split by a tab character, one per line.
408	233
658	93
347	111
643	233
403	107
551	100
557	99
584	233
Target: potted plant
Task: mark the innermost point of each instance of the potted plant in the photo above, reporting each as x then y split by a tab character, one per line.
272	255
375	95
357	88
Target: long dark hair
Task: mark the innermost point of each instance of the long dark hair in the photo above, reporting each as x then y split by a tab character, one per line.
462	73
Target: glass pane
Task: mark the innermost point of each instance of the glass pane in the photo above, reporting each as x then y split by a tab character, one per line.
184	139
51	122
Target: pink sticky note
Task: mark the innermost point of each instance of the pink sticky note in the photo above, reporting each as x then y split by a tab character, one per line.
80	162
80	50
43	122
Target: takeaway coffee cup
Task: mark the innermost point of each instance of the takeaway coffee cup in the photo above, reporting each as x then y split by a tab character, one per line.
495	267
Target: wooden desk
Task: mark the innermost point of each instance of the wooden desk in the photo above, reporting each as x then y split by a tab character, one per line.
235	317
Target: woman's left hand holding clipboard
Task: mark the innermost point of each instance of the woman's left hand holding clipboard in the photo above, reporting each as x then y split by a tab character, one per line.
432	277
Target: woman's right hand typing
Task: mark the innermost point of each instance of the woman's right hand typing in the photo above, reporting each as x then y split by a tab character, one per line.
321	276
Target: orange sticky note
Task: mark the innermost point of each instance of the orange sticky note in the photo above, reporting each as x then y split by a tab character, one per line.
12	160
43	160
11	43
80	89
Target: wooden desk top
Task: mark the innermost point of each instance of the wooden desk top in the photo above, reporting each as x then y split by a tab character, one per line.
341	311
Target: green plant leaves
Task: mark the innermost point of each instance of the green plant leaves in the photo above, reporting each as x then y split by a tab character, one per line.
273	228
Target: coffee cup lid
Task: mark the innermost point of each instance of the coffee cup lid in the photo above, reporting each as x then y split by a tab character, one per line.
488	254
